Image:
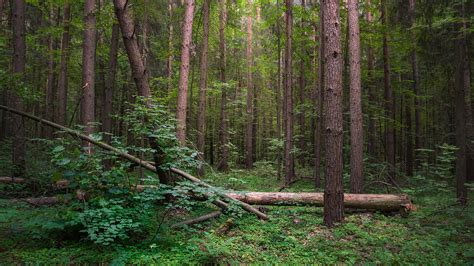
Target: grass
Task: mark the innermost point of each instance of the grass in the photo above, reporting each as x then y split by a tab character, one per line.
439	232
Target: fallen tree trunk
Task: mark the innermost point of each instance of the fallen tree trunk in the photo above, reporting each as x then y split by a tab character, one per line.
136	160
379	202
198	219
8	180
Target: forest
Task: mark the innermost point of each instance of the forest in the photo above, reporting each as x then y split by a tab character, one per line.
168	132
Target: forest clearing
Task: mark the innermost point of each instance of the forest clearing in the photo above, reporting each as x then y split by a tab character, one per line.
236	132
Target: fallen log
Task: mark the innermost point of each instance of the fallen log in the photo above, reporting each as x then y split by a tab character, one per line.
379	202
134	159
9	180
198	219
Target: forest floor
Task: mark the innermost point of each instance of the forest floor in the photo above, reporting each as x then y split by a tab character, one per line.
438	232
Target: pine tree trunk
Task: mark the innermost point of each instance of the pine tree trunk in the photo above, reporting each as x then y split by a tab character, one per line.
288	94
357	139
201	121
250	92
107	105
88	70
333	193
63	67
389	101
19	61
223	129
184	72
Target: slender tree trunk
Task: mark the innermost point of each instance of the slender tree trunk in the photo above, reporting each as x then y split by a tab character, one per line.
63	67
371	140
288	94
201	121
88	70
320	100
107	110
223	132
250	91
170	47
49	93
184	72
278	91
389	102
19	61
357	139
333	193
144	29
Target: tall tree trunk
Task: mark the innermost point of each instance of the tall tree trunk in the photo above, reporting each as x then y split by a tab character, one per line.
320	99
416	85
107	110
63	66
201	121
278	91
302	85
19	61
288	94
88	70
333	193
139	73
460	116
371	140
223	132
49	93
250	92
389	100
357	139
170	47
184	72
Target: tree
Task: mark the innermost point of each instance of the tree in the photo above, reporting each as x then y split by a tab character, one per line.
88	69
320	100
389	100
63	66
288	94
201	121
184	72
333	193
250	92
370	89
357	140
19	61
109	88
223	129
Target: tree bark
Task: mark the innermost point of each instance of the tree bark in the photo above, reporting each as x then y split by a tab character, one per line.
88	70
389	100
357	139
201	121
371	147
184	72
107	105
223	129
63	66
333	193
250	91
288	94
19	61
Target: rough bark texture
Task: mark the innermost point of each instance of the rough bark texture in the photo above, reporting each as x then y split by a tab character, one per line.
184	72
288	156
63	66
333	193
224	121
88	69
250	92
107	111
380	202
357	139
389	101
201	120
19	61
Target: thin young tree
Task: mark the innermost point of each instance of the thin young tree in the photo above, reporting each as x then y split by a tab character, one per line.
357	139
333	192
63	66
250	91
88	70
184	72
371	140
223	129
320	101
201	120
19	61
288	157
